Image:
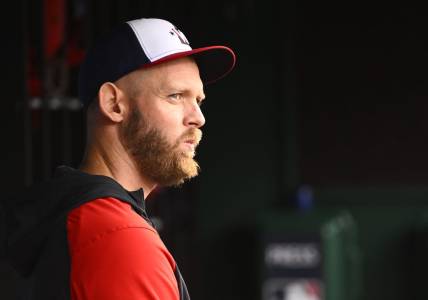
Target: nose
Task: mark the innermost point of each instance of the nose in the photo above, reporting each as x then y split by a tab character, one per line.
194	116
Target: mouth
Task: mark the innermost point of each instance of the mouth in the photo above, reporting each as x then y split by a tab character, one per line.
190	144
191	141
190	147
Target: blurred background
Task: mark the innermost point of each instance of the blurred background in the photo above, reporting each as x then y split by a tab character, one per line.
314	171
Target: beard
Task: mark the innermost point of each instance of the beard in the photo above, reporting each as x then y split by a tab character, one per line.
156	158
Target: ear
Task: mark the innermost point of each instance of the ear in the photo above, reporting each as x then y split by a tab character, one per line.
111	102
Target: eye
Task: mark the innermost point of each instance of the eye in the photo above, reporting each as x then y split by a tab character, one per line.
176	96
199	101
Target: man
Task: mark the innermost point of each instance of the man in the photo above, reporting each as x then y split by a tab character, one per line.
85	233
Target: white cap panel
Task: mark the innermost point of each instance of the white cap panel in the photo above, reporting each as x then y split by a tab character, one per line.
159	38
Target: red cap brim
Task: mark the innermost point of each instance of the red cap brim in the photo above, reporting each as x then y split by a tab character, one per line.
214	62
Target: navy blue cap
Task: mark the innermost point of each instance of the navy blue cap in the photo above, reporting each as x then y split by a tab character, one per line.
142	43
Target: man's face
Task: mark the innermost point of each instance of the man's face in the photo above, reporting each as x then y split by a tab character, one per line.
161	131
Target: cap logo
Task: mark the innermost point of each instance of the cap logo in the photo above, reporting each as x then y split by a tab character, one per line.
175	31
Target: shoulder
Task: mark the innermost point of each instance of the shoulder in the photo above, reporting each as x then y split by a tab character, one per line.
100	218
116	254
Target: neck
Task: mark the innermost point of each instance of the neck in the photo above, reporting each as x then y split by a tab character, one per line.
117	164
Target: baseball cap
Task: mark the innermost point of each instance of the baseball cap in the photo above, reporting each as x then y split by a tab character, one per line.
142	43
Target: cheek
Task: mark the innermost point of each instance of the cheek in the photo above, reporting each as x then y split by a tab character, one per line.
170	123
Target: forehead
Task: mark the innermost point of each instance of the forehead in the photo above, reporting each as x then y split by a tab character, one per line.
182	73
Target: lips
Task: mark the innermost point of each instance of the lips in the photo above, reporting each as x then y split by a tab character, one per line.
190	145
194	137
191	142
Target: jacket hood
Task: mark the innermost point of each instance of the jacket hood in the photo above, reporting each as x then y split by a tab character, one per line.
39	210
